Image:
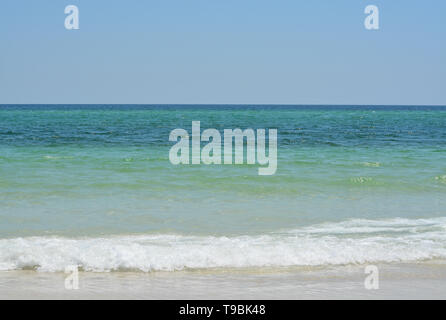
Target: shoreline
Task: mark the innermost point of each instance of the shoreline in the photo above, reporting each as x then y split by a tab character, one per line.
424	280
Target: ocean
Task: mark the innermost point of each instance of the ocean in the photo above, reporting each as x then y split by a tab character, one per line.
92	186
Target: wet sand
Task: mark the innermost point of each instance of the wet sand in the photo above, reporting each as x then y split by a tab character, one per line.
396	281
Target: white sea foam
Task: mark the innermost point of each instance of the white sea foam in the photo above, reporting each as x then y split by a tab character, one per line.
348	242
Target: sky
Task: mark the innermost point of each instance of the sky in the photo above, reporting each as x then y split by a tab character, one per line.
223	52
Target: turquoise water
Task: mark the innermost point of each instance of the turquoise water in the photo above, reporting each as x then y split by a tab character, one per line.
93	186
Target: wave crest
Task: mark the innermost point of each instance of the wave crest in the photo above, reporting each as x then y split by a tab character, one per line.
348	242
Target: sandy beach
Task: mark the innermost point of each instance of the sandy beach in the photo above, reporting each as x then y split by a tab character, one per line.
397	281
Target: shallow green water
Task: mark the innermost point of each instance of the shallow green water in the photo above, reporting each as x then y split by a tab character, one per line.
100	171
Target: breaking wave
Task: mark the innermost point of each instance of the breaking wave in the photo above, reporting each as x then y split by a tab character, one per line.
348	242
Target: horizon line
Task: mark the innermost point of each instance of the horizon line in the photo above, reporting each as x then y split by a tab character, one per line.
225	104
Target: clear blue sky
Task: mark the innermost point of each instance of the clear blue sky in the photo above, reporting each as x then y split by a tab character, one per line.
223	51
